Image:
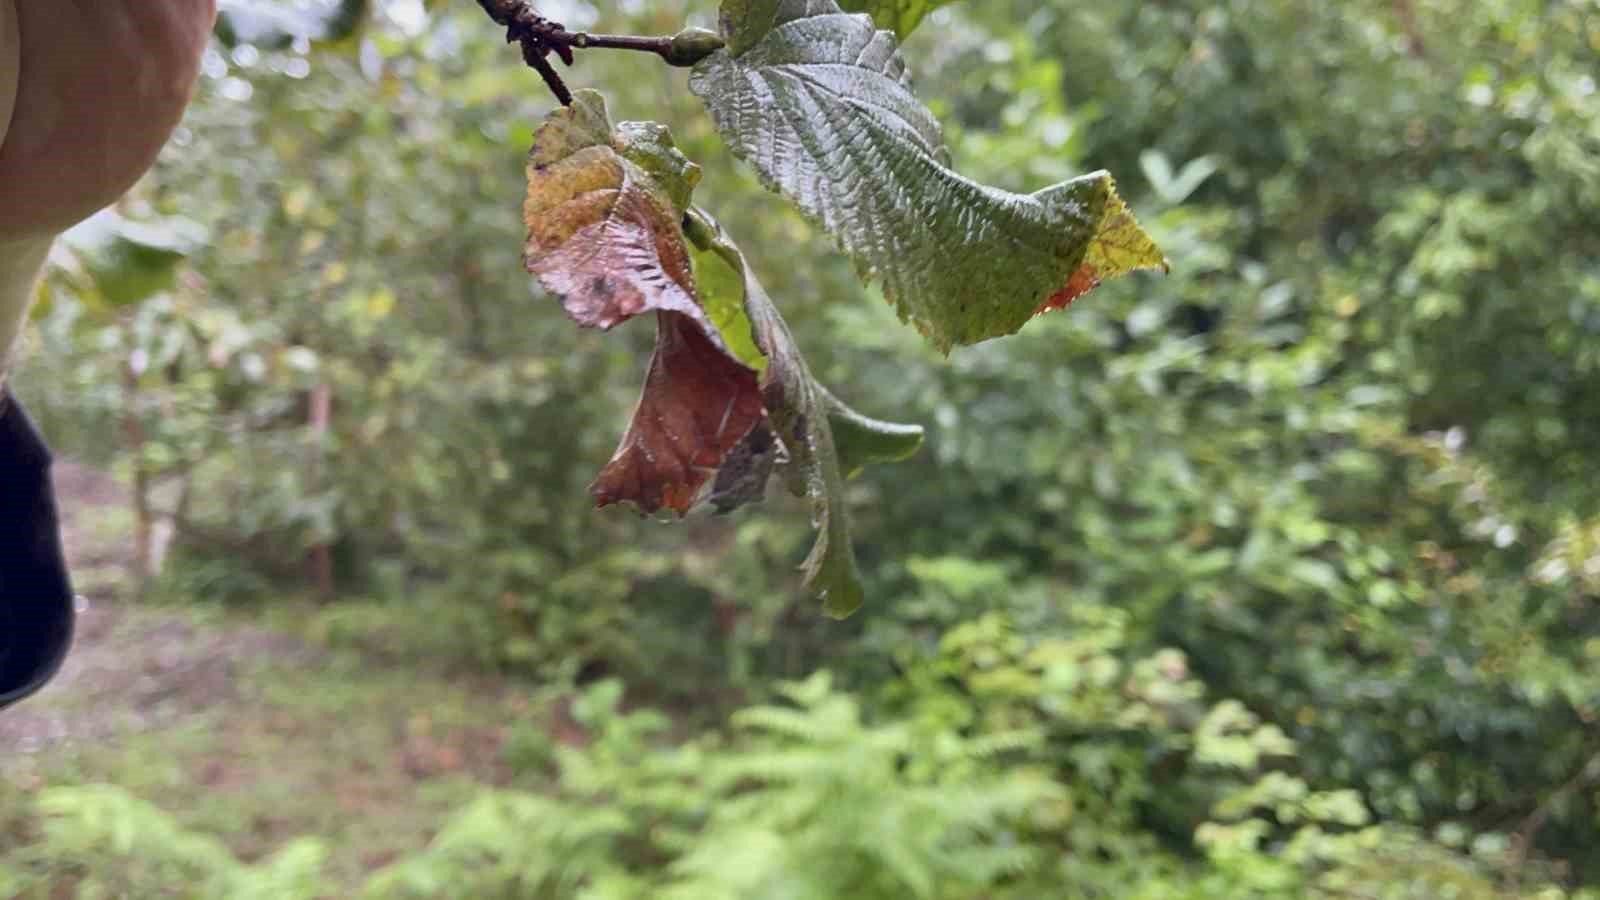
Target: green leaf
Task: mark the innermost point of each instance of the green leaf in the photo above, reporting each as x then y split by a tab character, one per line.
265	23
900	16
862	441
722	297
744	22
133	261
819	102
803	415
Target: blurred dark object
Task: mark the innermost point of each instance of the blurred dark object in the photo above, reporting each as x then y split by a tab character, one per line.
277	25
36	609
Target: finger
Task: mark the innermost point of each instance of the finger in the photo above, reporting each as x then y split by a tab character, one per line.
103	83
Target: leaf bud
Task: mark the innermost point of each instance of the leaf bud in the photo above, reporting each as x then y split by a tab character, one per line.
691	45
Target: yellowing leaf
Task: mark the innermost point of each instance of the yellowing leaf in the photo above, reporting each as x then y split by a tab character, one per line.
602	233
1119	246
900	16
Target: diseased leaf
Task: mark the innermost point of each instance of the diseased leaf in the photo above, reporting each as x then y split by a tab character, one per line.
819	102
604	237
603	232
743	478
728	401
1119	247
900	16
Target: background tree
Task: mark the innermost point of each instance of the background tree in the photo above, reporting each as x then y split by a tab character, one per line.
1273	576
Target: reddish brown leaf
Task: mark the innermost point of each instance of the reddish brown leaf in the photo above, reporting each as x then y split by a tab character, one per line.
697	405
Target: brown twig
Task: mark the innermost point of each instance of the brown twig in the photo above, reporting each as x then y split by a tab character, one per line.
1528	829
541	37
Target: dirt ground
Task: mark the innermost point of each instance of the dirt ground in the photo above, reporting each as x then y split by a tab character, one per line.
240	726
130	670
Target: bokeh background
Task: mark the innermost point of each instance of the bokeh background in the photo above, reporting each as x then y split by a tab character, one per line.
1275	577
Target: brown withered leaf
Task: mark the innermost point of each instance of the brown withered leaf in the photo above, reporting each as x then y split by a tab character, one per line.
743	478
698	404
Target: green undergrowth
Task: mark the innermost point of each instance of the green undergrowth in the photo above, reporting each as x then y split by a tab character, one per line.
243	761
208	742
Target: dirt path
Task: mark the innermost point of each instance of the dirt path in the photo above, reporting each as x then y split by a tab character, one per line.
130	669
242	730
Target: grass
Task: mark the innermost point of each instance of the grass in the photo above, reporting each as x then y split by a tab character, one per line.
252	725
251	735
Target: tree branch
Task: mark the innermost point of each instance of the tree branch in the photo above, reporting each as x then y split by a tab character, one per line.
541	37
1528	830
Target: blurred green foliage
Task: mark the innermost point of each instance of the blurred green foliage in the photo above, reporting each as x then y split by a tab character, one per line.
1276	577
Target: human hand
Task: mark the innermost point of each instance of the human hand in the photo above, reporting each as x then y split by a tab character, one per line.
98	87
90	90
